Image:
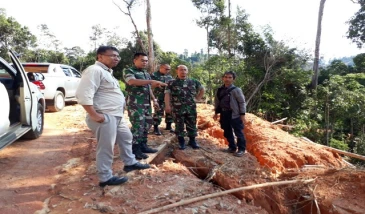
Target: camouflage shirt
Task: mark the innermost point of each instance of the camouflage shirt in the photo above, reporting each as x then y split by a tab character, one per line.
183	92
165	78
139	95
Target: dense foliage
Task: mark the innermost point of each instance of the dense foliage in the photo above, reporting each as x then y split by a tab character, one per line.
273	76
356	30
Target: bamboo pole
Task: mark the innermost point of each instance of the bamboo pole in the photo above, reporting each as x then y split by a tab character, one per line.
192	200
337	150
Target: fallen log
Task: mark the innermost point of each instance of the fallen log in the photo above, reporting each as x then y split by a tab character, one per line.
337	150
192	200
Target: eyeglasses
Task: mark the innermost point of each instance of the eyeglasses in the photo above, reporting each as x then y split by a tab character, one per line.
112	56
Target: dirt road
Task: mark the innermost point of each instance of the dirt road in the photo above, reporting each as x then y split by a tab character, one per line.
56	174
29	169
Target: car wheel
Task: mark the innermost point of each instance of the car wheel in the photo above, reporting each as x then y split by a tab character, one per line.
35	133
58	102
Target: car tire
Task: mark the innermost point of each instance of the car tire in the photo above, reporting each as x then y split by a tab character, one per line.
35	133
58	102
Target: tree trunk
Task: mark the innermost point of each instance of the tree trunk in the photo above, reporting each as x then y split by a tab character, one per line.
210	95
327	119
151	54
229	28
318	42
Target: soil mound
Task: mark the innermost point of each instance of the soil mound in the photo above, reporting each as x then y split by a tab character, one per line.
273	147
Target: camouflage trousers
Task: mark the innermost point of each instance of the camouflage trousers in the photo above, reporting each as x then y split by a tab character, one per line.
141	120
157	116
188	118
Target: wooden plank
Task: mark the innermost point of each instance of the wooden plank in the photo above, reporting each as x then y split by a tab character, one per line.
152	156
159	156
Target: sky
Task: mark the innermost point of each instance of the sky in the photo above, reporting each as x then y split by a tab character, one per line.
173	22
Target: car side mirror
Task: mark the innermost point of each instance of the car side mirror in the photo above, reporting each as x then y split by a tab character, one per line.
39	77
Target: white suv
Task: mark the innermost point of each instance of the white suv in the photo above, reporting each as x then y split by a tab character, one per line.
60	81
22	104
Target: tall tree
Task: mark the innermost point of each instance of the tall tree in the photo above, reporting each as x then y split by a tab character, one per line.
151	54
47	39
318	42
210	11
356	30
96	34
129	5
229	28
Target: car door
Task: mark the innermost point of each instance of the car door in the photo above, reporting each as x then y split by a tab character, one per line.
69	88
76	78
23	94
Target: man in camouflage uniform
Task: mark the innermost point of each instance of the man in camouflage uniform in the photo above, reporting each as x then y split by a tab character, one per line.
181	95
163	75
139	94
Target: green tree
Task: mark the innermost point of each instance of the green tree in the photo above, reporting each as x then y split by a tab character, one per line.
14	36
75	57
356	31
359	61
337	67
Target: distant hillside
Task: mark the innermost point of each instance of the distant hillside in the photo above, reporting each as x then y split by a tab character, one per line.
346	59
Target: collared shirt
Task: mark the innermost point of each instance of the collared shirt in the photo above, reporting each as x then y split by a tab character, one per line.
99	88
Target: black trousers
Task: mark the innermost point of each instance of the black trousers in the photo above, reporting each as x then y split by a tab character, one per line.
235	125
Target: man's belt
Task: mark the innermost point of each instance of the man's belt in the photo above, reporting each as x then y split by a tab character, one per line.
226	109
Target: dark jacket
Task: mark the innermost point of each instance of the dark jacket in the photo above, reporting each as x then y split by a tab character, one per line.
237	102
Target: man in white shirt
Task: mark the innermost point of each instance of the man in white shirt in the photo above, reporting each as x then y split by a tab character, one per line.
100	95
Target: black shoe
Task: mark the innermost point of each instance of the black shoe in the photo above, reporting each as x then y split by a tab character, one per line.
229	150
181	143
136	166
140	156
239	153
156	130
168	126
136	148
146	149
114	181
172	130
193	143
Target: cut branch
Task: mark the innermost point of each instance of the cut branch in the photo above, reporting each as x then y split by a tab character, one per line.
278	121
337	150
192	200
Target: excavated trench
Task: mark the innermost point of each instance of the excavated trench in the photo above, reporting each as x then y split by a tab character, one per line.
284	199
272	154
